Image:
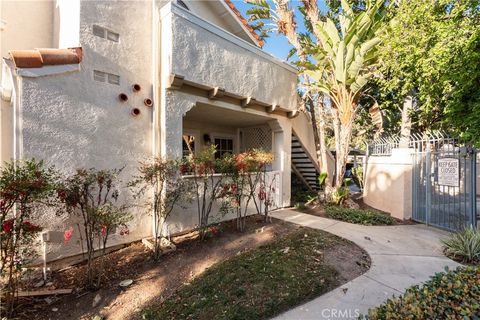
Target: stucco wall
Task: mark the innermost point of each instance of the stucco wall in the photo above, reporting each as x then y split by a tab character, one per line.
388	183
238	67
25	25
72	121
28	25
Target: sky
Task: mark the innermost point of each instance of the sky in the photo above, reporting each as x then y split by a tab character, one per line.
275	44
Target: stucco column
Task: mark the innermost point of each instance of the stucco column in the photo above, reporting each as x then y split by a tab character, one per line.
171	128
282	144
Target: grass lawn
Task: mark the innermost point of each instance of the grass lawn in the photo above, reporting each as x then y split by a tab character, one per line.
256	284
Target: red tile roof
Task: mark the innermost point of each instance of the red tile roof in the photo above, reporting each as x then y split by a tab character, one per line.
244	22
38	58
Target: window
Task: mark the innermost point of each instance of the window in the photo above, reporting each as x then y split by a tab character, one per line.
188	145
105	33
101	76
224	146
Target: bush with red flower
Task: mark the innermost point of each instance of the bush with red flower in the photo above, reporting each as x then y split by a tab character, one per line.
26	188
244	173
93	196
206	175
160	178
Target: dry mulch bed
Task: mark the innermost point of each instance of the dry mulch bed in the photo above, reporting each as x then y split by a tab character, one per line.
154	282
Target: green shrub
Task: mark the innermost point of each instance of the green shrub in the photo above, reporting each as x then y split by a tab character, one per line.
339	195
358	216
464	246
453	294
303	197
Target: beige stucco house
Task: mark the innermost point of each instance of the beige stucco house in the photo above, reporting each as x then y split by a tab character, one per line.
125	80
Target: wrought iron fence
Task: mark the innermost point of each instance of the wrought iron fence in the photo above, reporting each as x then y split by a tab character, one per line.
436	140
443	178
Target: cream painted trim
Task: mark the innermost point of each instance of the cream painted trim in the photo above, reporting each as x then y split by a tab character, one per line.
176	82
195	19
47	70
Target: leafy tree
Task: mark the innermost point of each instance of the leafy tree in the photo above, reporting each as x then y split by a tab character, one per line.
432	51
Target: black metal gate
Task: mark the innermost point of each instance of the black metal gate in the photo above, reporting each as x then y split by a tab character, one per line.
444	184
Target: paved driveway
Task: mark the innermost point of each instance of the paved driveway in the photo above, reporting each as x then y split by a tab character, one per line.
401	256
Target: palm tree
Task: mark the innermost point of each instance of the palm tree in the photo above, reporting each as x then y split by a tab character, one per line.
337	58
345	60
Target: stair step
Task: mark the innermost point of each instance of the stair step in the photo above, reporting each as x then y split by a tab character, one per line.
301	160
305	165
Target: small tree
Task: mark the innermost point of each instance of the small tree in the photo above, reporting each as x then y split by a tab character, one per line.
25	187
162	180
266	195
93	196
244	173
207	174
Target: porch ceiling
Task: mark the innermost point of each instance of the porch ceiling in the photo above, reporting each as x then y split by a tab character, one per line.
224	117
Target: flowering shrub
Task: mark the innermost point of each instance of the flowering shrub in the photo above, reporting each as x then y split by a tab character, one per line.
162	179
207	176
244	173
25	187
93	196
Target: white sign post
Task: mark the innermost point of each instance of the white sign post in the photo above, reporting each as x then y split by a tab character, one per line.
449	172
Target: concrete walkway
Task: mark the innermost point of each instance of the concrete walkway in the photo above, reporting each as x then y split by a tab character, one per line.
401	256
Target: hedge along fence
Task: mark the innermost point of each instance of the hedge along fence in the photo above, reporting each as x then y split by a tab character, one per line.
454	294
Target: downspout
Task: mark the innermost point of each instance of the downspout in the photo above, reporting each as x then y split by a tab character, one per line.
155	48
155	79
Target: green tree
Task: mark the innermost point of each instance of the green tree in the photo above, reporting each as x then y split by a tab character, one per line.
432	51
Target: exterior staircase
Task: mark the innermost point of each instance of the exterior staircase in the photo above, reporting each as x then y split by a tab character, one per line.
304	155
303	166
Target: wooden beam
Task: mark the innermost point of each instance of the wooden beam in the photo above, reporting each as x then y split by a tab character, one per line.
216	93
292	114
248	102
176	81
271	108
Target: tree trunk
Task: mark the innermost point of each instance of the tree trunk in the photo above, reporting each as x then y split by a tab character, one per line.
406	125
342	127
319	135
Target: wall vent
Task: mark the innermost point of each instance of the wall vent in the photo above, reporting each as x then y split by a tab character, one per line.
101	76
105	33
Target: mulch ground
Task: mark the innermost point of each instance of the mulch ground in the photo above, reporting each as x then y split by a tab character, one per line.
154	282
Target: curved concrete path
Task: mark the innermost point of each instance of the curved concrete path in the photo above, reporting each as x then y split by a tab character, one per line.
401	257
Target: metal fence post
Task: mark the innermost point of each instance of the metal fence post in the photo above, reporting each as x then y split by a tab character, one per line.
473	187
428	185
